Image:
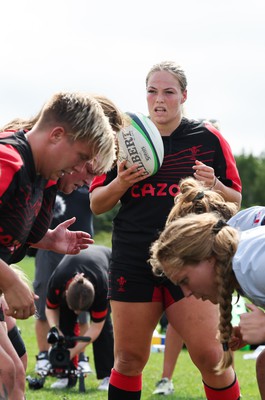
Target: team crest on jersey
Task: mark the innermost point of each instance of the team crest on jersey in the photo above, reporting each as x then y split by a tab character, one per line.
121	281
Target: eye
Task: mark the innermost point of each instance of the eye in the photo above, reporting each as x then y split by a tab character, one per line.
84	157
183	281
151	91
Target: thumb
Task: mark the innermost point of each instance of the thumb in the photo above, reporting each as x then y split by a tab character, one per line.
68	222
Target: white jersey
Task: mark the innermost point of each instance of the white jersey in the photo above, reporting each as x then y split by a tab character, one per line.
249	265
249	218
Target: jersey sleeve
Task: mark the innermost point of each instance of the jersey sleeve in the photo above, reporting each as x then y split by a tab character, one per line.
248	218
43	220
54	293
225	164
103	180
10	164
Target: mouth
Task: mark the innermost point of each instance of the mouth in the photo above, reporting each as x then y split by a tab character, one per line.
160	109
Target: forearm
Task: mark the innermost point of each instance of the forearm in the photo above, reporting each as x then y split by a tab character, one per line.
45	243
53	316
228	193
93	332
104	198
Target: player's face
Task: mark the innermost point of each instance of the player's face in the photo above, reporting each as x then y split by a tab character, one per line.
165	99
65	156
70	182
198	280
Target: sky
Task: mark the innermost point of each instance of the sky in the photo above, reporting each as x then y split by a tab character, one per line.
108	47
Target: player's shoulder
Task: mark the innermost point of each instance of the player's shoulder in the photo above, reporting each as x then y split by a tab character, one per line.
248	218
197	126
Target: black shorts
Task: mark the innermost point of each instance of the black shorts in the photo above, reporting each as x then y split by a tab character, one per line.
141	285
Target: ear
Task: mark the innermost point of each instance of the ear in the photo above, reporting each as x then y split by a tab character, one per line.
184	96
57	134
212	261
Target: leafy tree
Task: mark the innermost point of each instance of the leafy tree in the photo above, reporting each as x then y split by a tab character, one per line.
103	222
252	172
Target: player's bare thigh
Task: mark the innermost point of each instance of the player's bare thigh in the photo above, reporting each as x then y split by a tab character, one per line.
134	324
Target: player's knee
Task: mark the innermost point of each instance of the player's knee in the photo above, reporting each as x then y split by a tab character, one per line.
206	357
260	364
131	363
8	374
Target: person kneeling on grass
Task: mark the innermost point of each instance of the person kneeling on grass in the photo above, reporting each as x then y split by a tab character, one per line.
209	260
80	283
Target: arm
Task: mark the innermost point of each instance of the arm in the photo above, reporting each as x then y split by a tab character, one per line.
93	332
18	295
104	198
53	316
206	174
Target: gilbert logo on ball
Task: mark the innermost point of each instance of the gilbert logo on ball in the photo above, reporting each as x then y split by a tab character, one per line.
140	143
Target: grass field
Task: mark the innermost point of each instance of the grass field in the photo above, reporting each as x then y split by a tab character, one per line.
186	378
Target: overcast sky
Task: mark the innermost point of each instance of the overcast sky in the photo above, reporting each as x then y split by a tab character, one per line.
108	46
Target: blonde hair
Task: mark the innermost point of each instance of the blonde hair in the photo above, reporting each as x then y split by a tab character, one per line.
19	123
83	119
171	67
92	118
20	273
190	240
195	198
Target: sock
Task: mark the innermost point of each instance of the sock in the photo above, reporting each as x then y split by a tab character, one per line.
122	387
231	392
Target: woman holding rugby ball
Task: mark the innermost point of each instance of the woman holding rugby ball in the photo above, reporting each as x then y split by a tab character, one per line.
138	298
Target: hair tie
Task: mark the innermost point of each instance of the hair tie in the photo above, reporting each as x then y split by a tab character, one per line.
199	196
218	226
225	346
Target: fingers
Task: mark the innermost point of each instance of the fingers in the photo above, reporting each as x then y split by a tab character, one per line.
68	222
204	173
252	307
21	313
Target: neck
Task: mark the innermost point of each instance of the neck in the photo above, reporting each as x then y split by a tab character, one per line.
170	127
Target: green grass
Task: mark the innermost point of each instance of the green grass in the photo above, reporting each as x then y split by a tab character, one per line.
186	377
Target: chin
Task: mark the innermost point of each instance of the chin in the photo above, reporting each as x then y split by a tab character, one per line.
212	300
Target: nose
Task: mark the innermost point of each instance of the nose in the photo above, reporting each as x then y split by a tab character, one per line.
89	179
159	98
79	167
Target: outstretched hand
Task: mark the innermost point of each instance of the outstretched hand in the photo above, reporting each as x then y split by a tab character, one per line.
64	241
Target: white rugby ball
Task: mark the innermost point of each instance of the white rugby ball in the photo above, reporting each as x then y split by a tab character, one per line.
140	143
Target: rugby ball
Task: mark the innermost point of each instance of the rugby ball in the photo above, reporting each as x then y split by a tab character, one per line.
140	143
